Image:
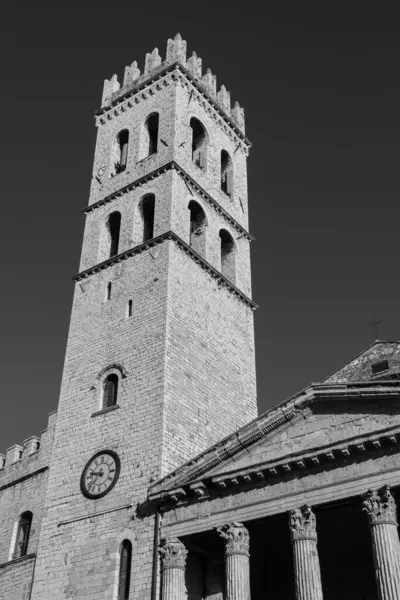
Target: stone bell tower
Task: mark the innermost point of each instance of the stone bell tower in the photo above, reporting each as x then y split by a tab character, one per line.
160	355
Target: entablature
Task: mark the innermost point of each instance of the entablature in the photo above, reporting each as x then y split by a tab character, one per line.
266	473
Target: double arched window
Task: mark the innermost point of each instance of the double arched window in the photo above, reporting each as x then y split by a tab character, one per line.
228	255
199	143
119	153
23	533
125	561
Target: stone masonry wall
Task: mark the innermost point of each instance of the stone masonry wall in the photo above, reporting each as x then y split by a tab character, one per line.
23	481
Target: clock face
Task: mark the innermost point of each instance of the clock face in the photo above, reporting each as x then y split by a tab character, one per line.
100	474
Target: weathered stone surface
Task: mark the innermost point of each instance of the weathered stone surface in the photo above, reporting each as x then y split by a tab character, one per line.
173	561
237	562
307	571
381	509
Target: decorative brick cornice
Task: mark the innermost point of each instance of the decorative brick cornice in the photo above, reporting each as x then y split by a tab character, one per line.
150	85
172	165
380	506
169	235
302	524
23	478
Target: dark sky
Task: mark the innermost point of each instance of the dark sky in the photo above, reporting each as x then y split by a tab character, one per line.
321	90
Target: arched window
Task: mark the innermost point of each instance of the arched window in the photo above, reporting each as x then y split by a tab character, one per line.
198	224
147	206
125	560
109	236
199	143
227	255
119	153
149	142
226	173
23	532
114	226
110	392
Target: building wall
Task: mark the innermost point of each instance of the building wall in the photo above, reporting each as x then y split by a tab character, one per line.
23	481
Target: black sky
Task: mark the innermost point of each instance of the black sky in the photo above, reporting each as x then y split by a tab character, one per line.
320	86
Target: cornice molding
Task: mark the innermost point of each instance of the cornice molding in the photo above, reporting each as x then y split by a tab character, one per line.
177	70
169	235
172	165
348	450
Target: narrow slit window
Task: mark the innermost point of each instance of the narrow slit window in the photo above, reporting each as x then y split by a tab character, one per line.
110	391
129	309
108	291
23	533
125	570
149	141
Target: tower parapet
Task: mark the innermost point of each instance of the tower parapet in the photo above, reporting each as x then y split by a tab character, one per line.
19	458
176	52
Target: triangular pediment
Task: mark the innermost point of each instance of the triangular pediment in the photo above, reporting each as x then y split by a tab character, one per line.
325	422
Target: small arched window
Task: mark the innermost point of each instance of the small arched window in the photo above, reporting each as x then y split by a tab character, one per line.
198	224
149	142
147	212
228	269
110	392
23	533
114	226
125	560
119	153
199	143
226	173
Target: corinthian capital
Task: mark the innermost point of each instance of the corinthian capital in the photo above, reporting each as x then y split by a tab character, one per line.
236	538
302	523
380	506
173	554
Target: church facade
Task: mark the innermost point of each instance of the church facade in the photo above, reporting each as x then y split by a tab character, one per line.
156	478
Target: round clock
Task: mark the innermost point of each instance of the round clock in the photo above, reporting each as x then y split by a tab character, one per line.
100	474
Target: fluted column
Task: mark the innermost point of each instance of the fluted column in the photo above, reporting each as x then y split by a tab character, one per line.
237	561
381	509
173	561
307	572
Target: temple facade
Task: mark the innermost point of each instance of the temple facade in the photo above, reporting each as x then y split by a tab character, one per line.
155	478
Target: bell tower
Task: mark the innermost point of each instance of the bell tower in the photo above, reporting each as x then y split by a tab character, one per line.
160	356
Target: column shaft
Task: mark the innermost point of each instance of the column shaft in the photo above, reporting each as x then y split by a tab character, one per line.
381	509
237	561
307	571
173	562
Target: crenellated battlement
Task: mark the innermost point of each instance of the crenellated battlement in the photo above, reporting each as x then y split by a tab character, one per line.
176	52
19	457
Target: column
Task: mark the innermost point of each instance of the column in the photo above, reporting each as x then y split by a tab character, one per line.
307	572
237	563
381	510
173	561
